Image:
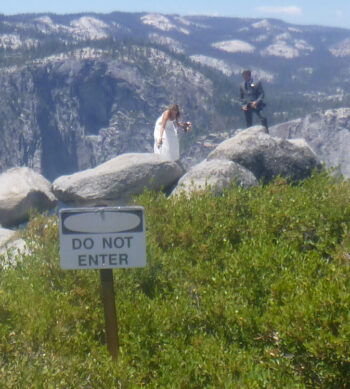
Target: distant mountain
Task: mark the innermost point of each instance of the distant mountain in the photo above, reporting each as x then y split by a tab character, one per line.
277	51
76	90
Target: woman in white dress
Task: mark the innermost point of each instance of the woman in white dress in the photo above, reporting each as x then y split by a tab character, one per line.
166	141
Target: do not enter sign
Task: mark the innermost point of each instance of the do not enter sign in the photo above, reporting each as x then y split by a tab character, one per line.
102	238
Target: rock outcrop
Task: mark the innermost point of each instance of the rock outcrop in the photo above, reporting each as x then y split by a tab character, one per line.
5	236
247	157
244	159
266	156
11	248
328	134
22	189
116	181
216	174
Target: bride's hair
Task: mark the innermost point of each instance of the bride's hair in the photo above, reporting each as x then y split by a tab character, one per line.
175	107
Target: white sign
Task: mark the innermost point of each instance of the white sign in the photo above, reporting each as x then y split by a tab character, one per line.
102	238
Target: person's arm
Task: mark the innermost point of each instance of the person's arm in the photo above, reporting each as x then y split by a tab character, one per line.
259	94
162	127
186	126
242	99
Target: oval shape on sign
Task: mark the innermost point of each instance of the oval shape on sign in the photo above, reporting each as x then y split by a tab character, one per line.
102	222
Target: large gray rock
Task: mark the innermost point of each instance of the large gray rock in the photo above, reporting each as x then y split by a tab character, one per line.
216	174
201	147
327	132
267	157
6	235
12	248
22	189
118	179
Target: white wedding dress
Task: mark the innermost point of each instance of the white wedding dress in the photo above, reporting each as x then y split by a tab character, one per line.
170	142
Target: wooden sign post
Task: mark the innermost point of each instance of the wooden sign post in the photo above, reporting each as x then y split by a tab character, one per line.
107	289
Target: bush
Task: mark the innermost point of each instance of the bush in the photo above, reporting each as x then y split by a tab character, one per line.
247	290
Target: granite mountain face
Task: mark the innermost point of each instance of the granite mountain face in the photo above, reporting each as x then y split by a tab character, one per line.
77	90
70	112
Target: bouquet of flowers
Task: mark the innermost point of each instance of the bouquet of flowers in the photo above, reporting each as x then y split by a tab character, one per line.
187	126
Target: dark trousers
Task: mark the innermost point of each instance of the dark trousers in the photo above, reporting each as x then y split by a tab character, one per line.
249	117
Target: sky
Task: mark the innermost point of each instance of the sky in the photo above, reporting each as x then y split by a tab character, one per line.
335	13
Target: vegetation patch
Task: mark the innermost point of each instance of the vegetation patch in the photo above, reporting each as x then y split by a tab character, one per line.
247	290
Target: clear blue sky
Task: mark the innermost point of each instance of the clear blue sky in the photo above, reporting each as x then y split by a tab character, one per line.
321	12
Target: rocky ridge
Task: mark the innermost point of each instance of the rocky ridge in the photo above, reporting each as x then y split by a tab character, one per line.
327	133
246	158
233	41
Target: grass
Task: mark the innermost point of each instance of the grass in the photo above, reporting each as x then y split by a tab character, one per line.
247	290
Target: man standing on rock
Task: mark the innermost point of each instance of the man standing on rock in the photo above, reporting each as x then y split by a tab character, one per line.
251	99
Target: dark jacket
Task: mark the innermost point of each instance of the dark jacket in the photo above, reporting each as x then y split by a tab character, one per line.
251	91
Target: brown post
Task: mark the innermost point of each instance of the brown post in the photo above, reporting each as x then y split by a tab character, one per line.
110	312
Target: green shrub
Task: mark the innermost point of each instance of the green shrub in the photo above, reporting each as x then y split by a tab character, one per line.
247	290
